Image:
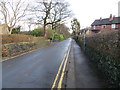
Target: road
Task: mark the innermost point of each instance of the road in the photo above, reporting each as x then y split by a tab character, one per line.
62	65
36	69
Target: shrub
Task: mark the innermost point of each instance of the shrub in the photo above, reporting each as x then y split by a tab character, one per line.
49	33
36	32
60	37
103	49
16	30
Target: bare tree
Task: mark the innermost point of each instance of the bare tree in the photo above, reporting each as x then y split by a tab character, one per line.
51	12
63	29
42	10
13	12
60	13
29	23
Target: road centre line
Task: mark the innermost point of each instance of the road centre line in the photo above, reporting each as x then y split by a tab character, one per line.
63	71
53	86
63	63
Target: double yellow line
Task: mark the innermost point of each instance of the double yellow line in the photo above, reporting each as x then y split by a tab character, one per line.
61	68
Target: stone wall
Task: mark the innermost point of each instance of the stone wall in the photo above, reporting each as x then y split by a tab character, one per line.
15	44
13	49
103	49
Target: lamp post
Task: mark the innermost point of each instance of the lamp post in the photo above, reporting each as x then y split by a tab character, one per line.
84	39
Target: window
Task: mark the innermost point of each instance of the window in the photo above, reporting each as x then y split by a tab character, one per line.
113	26
103	26
94	27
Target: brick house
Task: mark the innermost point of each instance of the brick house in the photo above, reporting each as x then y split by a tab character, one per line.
111	23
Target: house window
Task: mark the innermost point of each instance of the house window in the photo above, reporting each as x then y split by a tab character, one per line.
103	26
94	27
113	26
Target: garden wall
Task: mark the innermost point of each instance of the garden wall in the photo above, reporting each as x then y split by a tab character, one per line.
104	50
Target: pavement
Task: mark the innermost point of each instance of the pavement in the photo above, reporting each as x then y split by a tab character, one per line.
80	73
47	67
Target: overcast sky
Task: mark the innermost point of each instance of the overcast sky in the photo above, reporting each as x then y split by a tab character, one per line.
86	11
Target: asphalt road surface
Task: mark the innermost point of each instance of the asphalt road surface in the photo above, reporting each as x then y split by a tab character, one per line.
36	69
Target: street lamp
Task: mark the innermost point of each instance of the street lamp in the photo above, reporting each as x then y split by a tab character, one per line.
84	39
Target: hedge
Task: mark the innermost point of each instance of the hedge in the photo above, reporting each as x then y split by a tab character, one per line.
103	49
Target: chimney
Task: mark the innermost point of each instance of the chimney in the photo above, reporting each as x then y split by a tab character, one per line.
100	18
119	9
113	16
110	18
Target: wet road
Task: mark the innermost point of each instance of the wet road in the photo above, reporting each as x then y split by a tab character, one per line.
36	69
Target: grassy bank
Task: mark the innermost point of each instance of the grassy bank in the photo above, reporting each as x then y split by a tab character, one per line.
13	45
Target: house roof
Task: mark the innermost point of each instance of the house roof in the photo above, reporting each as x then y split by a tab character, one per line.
116	20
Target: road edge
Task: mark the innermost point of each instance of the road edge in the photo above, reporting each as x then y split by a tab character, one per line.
69	79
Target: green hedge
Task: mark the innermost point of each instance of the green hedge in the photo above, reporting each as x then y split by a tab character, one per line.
107	63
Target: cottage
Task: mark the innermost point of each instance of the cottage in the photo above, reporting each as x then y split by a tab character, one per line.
111	23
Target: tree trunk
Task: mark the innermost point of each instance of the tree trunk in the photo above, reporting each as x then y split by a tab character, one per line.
44	29
11	28
46	33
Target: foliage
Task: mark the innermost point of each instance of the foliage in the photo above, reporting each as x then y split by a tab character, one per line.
16	30
36	32
60	37
63	29
103	50
75	26
49	33
75	37
51	13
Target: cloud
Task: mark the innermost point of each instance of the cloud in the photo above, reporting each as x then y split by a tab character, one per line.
89	10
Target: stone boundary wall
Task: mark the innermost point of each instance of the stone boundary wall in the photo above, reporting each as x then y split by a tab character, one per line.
18	38
13	49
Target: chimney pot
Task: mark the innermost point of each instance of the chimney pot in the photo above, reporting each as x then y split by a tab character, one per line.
100	18
111	18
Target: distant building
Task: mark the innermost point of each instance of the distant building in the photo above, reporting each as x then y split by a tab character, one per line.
111	23
4	29
86	31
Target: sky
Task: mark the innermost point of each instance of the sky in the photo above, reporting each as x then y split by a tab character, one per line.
86	11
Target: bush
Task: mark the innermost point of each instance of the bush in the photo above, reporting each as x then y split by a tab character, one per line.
36	32
60	37
75	37
49	33
103	49
16	30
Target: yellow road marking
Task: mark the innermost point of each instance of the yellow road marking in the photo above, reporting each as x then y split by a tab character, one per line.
58	72
63	63
63	72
